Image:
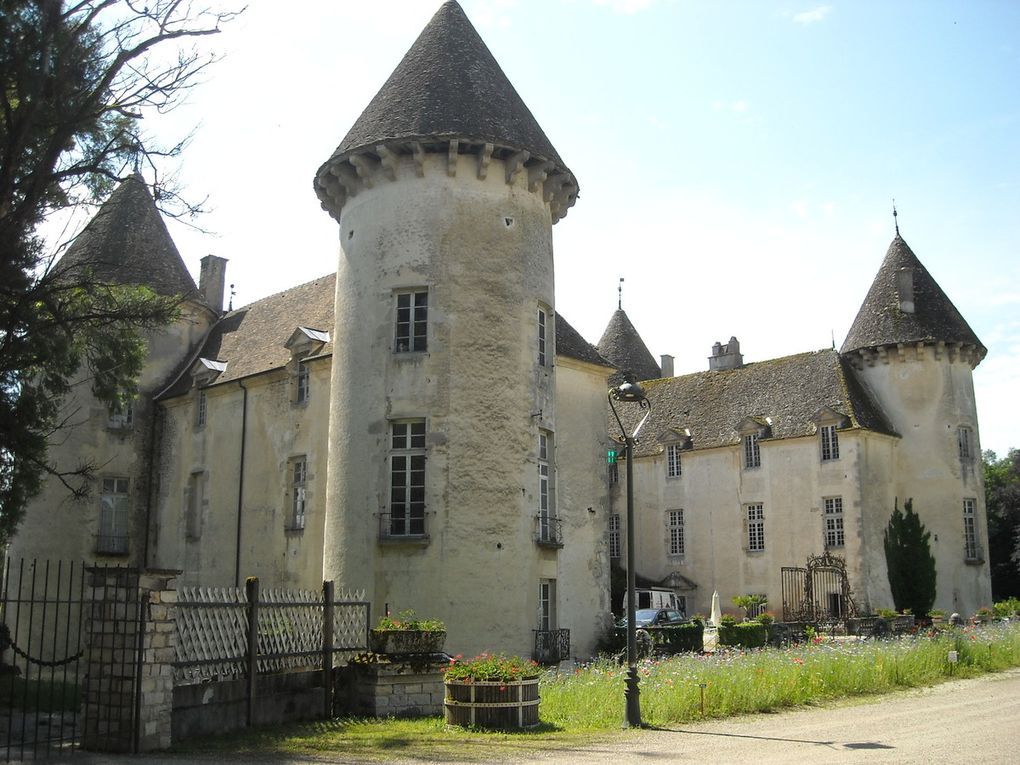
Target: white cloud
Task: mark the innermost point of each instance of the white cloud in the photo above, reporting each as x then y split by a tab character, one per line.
812	16
740	106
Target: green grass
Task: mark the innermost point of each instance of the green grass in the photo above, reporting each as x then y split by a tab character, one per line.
581	707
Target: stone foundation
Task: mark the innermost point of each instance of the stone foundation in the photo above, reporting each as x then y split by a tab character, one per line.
392	687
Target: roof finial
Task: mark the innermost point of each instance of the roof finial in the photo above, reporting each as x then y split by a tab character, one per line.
895	222
619	300
230	305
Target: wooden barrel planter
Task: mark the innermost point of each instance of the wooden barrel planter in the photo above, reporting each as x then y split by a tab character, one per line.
499	706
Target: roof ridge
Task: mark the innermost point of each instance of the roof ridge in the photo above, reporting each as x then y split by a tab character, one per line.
265	298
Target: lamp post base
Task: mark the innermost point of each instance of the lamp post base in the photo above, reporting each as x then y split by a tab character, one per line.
633	697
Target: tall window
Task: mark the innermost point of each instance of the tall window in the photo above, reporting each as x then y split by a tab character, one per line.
970	545
963	440
298	492
675	522
543	330
122	414
113	517
673	461
407	478
834	536
303	382
546	503
755	527
614	535
412	321
752	453
547	604
202	409
830	442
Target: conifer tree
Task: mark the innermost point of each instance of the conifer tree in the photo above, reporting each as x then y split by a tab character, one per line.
909	561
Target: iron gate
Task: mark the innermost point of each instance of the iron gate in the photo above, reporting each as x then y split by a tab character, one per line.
50	701
818	593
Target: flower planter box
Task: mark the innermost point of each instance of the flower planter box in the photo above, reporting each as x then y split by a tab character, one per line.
406	642
499	706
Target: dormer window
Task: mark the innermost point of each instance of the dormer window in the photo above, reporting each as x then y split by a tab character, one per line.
752	430
675	441
303	343
830	442
301	396
829	421
205	371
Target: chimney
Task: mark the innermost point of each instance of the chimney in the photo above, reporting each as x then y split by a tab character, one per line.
666	365
212	279
726	356
905	289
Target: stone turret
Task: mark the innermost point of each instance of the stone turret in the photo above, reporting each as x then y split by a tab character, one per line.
623	347
443	424
914	351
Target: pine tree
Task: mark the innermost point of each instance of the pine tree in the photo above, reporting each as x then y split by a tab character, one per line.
909	561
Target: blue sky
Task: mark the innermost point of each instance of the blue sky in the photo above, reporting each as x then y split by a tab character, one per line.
737	160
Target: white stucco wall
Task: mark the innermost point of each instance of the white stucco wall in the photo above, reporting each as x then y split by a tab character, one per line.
483	249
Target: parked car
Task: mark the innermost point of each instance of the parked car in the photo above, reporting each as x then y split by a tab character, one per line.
656	617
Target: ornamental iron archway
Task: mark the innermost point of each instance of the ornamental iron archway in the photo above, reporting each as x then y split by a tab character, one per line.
818	593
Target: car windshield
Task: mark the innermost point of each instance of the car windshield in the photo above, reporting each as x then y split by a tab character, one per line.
645	616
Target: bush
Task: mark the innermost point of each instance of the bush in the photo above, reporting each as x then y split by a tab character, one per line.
744	635
681	637
1007	608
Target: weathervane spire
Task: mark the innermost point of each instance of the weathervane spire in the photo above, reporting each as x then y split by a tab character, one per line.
619	298
896	223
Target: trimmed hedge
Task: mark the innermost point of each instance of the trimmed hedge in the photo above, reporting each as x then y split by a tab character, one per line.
744	635
688	637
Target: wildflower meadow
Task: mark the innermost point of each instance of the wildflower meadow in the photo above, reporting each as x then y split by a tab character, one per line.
689	687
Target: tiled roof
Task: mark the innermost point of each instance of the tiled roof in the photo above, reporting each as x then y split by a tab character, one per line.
881	321
570	343
127	243
448	85
253	339
623	347
789	391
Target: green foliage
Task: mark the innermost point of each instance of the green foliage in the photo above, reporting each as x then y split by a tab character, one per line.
76	79
765	618
1002	499
493	668
1008	608
744	635
407	620
727	620
908	558
748	603
688	637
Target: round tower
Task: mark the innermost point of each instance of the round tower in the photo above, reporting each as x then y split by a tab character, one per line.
442	423
915	352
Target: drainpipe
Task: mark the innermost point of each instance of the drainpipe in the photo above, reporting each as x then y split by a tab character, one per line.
240	484
157	412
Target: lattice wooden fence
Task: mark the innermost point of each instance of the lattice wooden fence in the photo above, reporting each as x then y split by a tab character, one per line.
213	632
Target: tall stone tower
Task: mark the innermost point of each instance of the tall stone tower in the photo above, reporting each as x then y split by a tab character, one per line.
916	353
442	423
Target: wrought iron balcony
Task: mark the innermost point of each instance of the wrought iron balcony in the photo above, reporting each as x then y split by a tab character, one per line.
551	646
548	531
111	544
403	527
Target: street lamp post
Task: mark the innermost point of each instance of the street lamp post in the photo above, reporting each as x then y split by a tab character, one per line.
630	392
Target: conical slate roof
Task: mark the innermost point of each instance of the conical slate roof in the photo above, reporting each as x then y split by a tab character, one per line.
448	85
623	347
881	321
127	243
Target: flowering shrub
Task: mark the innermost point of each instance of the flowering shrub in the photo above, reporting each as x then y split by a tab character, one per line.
491	668
406	620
